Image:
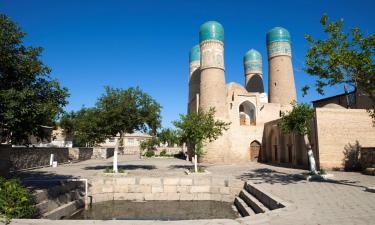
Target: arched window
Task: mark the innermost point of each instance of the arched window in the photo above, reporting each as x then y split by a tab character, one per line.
247	113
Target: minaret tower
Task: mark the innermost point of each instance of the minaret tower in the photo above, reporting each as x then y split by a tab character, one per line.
253	71
212	84
281	87
194	78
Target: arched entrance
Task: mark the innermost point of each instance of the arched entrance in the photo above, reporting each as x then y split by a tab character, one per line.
247	113
254	150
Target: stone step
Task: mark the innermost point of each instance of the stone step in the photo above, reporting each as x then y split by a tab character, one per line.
268	200
252	202
65	210
243	208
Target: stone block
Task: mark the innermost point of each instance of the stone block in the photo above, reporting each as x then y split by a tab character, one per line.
108	181
186	197
227	198
170	188
214	190
107	188
173	197
102	197
146	188
200	189
203	196
149	196
216	197
171	181
218	181
121	188
225	190
235	183
125	180
151	181
157	189
161	196
135	188
186	181
183	189
202	180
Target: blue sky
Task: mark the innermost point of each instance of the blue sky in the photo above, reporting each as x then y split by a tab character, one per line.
90	44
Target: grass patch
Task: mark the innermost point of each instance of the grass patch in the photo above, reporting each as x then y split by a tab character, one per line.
110	170
201	169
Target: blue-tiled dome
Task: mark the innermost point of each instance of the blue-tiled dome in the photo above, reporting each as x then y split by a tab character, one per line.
195	54
277	34
252	55
211	30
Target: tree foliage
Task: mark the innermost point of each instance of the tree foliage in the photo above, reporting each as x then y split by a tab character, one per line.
117	111
342	58
85	126
169	136
298	119
198	127
29	97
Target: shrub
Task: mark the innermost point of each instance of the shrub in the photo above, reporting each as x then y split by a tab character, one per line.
15	200
163	153
150	153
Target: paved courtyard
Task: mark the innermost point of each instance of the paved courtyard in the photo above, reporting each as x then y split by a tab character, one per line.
342	200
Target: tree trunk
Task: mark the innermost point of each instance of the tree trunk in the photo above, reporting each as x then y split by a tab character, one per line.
115	167
310	154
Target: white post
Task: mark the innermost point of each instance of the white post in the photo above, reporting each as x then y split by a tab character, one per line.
51	160
196	163
115	167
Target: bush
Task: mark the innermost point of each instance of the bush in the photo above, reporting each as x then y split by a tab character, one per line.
163	153
15	200
150	153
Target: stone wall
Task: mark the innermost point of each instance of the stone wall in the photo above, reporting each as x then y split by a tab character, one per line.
102	153
25	158
337	129
80	153
167	188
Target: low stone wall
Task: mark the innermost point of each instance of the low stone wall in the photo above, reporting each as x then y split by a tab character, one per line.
130	150
25	158
80	153
102	153
169	150
202	187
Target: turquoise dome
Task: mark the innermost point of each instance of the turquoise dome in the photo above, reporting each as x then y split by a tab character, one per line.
195	54
278	34
252	55
211	30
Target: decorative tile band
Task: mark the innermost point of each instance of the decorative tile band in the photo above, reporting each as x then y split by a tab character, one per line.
212	54
253	66
279	48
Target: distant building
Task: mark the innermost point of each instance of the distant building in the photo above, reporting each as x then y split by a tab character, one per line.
254	133
354	100
131	142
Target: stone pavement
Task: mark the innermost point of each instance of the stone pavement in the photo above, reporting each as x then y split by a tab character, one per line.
342	200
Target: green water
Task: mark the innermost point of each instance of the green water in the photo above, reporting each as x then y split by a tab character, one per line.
157	210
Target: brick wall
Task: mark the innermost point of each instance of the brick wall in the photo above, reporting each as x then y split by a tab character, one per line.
339	128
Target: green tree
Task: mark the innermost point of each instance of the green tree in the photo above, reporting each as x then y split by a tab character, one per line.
125	111
168	136
343	58
199	127
29	98
298	121
85	125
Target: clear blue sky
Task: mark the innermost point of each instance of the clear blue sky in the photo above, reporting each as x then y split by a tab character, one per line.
90	44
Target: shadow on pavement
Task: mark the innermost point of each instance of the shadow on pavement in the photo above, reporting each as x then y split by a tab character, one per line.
125	167
265	175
